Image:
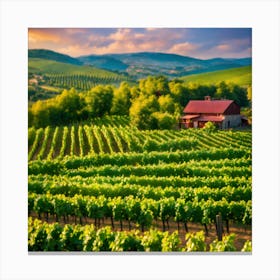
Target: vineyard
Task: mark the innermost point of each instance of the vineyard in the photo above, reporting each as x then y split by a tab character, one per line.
64	75
107	186
82	81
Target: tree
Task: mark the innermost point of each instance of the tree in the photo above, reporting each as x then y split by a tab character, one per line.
249	93
121	100
166	104
154	86
239	94
164	120
99	101
40	114
68	105
141	112
223	91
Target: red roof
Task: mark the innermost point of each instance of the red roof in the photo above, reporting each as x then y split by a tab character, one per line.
207	106
188	117
210	119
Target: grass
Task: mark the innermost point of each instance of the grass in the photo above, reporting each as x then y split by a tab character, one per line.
241	76
50	88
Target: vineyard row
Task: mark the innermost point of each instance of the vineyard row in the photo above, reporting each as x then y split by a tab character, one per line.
50	143
156	193
54	237
46	181
140	211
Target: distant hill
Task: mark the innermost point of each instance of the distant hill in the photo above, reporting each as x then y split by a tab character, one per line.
44	66
241	76
139	65
104	62
142	64
51	55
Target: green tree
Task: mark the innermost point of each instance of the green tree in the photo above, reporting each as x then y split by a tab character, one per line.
121	100
40	114
166	104
68	105
249	93
99	100
141	112
154	86
164	120
223	91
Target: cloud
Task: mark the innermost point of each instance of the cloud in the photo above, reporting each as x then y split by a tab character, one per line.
196	42
223	47
185	48
40	35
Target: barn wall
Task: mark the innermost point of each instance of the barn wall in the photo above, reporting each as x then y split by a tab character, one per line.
233	109
235	120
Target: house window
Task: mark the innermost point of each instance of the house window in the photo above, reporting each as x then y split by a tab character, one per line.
228	123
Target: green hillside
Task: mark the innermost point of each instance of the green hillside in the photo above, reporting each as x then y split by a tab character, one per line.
37	65
48	77
241	76
51	55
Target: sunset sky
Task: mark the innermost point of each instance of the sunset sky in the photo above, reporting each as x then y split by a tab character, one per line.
201	43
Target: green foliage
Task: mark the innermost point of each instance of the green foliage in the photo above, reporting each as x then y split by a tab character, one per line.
249	93
166	104
233	92
227	244
72	238
37	235
170	242
154	85
241	76
195	242
154	103
121	100
152	240
104	238
99	100
89	237
141	112
126	241
164	120
247	247
210	127
54	237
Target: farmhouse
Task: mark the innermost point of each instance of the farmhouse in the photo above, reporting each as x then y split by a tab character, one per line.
223	113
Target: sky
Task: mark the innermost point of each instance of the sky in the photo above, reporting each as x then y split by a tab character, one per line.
201	43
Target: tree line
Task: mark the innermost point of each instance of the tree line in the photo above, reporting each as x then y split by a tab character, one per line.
155	103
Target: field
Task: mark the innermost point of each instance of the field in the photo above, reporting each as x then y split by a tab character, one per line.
107	186
65	76
241	76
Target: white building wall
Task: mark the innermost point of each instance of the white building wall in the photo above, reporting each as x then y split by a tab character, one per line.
234	121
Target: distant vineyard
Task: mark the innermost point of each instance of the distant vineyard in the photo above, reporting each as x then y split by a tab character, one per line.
82	81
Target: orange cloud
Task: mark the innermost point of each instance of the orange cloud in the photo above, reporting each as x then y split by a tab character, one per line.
39	35
183	48
223	47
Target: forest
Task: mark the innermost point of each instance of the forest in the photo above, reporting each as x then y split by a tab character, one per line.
153	103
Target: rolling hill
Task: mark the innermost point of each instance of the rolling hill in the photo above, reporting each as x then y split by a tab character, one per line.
48	77
241	76
142	64
38	65
51	55
139	65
